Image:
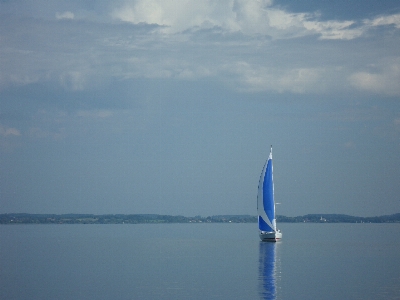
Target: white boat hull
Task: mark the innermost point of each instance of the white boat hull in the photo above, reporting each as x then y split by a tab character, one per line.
273	236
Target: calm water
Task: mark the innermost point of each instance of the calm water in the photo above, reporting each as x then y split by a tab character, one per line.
199	261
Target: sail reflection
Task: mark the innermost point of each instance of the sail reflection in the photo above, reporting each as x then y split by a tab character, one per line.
269	270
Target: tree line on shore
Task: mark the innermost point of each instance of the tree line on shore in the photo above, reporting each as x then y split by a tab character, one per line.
24	218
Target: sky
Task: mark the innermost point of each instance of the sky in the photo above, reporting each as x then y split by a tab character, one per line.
170	106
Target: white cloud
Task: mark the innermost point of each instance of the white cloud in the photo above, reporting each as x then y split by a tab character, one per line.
9	131
384	80
16	78
253	44
177	15
65	15
298	80
385	20
7	143
282	20
73	80
249	17
334	30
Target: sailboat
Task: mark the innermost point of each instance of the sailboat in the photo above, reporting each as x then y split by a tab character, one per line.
266	204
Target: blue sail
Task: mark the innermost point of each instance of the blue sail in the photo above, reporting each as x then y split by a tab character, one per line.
265	203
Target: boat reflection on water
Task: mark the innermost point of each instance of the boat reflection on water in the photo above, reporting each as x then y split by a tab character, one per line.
269	270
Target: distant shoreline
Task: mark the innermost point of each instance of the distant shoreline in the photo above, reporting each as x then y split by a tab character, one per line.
25	218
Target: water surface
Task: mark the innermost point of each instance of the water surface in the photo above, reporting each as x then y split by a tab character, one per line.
199	261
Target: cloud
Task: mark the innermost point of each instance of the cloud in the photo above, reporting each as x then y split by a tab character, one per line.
181	15
65	15
249	17
73	80
385	20
385	79
7	138
252	45
334	30
298	80
9	131
18	79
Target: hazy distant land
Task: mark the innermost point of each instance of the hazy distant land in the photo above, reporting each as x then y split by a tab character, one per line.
23	218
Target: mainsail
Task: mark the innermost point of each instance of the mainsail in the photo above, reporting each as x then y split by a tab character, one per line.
265	198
